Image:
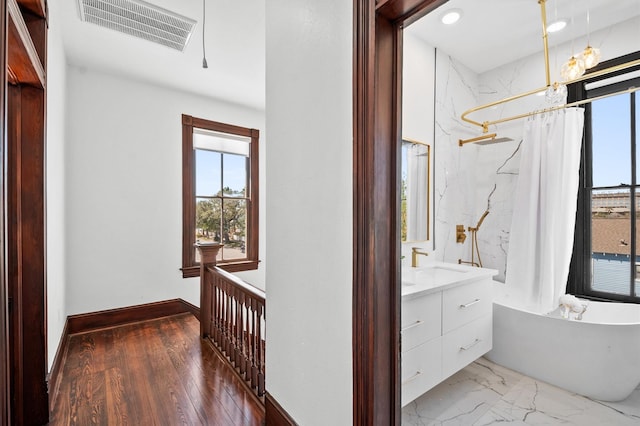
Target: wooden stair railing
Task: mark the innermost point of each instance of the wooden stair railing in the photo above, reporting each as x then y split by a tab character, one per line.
232	317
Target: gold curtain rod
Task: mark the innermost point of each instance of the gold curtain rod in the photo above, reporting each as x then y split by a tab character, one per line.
485	124
569	105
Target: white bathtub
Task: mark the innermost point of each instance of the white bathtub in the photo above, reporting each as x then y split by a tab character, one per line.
598	357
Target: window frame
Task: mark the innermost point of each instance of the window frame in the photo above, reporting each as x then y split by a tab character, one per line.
580	273
191	268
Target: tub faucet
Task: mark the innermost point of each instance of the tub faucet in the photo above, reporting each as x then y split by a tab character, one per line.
414	256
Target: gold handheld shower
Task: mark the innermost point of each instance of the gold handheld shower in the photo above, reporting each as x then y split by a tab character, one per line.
474	242
480	221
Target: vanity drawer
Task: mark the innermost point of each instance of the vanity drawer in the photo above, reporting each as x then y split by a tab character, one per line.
421	369
421	320
465	303
466	344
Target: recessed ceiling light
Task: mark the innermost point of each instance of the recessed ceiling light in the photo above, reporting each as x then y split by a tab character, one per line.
556	26
451	16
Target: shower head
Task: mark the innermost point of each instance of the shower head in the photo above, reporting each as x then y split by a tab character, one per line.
494	140
484	139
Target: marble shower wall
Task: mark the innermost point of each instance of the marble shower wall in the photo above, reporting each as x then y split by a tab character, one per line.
472	178
455	190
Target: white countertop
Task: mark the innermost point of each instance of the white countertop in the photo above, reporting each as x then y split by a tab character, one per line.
438	276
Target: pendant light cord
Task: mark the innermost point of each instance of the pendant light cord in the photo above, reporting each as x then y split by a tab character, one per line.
588	23
204	55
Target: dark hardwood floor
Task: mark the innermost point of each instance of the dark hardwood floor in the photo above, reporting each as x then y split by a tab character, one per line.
151	373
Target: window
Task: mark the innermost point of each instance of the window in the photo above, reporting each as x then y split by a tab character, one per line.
219	193
606	257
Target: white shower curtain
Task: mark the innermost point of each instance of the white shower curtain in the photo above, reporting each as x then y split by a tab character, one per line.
542	228
417	180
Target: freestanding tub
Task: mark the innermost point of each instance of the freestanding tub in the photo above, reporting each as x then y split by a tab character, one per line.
598	357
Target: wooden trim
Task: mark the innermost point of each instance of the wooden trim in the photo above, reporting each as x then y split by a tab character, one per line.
216	126
376	303
406	11
53	381
245	265
188	191
189	266
23	395
376	323
27	253
36	7
275	415
37	28
190	307
4	302
113	317
23	57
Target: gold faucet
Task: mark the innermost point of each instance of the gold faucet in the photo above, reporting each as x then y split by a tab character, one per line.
414	256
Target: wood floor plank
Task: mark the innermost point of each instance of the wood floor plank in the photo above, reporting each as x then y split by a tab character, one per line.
117	404
131	405
208	360
168	388
151	373
86	395
187	359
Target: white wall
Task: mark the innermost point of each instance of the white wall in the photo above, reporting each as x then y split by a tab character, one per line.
55	182
124	190
309	209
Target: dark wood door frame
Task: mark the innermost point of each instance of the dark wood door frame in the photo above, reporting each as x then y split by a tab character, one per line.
23	386
26	253
377	69
4	312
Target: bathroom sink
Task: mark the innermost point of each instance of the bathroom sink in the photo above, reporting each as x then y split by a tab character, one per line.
446	268
434	275
438	275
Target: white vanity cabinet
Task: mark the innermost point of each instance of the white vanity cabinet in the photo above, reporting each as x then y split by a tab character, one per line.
446	324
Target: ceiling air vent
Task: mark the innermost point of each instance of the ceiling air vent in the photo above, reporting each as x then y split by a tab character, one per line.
139	19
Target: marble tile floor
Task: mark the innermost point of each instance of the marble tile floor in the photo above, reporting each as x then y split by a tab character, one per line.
485	393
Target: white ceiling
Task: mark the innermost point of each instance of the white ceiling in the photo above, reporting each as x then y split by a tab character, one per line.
493	33
235	47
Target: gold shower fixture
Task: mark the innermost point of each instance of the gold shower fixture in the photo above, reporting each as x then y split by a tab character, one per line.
460	235
475	250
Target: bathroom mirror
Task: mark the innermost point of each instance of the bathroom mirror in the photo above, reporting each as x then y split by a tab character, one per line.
414	191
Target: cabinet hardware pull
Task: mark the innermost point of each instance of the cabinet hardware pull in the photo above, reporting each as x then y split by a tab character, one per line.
415	324
469	346
469	304
412	378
